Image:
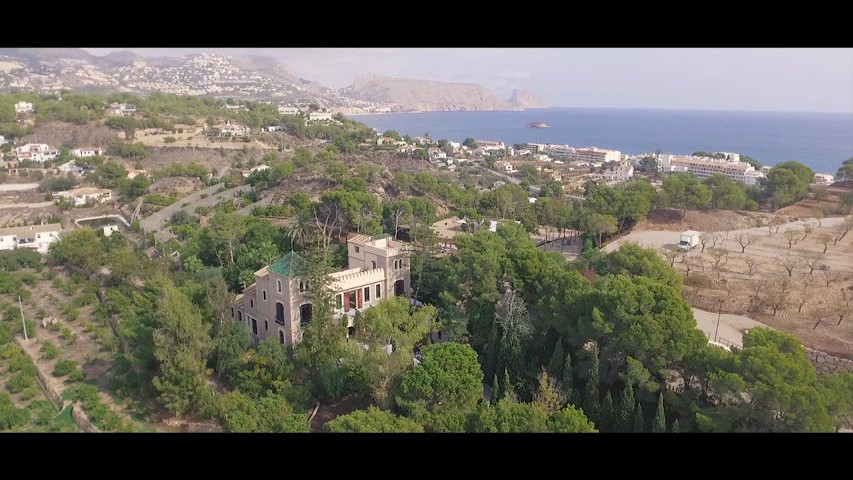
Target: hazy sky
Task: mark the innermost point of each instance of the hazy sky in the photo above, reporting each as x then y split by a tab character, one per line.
819	80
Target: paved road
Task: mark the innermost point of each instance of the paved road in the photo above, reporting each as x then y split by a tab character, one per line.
731	326
18	187
26	205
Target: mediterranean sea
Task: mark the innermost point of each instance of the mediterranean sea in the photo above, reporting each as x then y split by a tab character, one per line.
820	140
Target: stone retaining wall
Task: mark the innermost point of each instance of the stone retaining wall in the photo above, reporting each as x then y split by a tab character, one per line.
81	419
825	363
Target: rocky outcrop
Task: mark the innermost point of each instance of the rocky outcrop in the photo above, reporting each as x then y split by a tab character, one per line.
424	95
523	99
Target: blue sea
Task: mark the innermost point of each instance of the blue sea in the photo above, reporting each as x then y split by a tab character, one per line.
820	140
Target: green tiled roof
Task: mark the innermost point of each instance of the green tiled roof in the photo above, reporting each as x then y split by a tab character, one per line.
289	265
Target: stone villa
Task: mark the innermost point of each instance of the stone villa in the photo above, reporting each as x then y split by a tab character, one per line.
279	304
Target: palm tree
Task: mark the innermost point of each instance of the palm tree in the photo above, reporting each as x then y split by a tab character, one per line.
300	230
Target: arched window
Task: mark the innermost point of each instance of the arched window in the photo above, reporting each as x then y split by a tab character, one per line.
278	284
301	287
281	337
265	295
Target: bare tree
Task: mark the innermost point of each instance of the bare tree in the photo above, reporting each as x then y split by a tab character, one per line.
777	224
777	296
704	238
756	287
807	228
812	260
752	264
715	238
791	236
843	311
790	263
745	240
824	238
818	215
843	228
718	255
806	283
829	275
670	254
689	263
770	228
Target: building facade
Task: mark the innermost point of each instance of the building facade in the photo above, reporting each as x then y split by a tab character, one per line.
704	167
36	152
279	302
23	107
34	237
87	152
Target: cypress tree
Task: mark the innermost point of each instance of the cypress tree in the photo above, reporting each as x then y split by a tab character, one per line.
555	366
659	423
568	380
508	391
608	418
496	391
592	407
675	428
626	408
638	419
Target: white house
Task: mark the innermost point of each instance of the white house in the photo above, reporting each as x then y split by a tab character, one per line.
87	152
252	170
319	117
624	172
81	196
288	111
505	166
34	237
232	129
70	167
37	152
23	107
823	179
121	109
275	128
3	140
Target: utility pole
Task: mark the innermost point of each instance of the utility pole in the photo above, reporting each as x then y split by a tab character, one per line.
21	307
718	318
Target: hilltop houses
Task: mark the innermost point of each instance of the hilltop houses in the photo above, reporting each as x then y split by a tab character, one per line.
278	303
319	117
36	152
33	237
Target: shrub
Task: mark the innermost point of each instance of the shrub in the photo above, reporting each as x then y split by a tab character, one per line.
71	313
11	416
29	393
76	376
68	335
19	381
5	334
28	279
170	140
49	350
64	367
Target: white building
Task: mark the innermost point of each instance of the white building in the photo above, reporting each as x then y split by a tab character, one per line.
288	111
566	151
34	237
229	129
823	179
70	167
87	152
275	128
121	109
505	166
624	172
37	152
23	107
278	303
595	154
109	229
542	157
3	140
319	117
252	170
436	154
704	167
82	196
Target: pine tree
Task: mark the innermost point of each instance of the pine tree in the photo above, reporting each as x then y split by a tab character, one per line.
496	391
568	380
592	407
626	408
638	419
508	391
555	366
607	417
675	428
659	423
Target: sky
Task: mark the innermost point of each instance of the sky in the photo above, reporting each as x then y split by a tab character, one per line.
777	79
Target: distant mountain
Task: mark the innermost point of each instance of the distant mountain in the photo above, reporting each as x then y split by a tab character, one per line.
248	77
424	95
523	99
